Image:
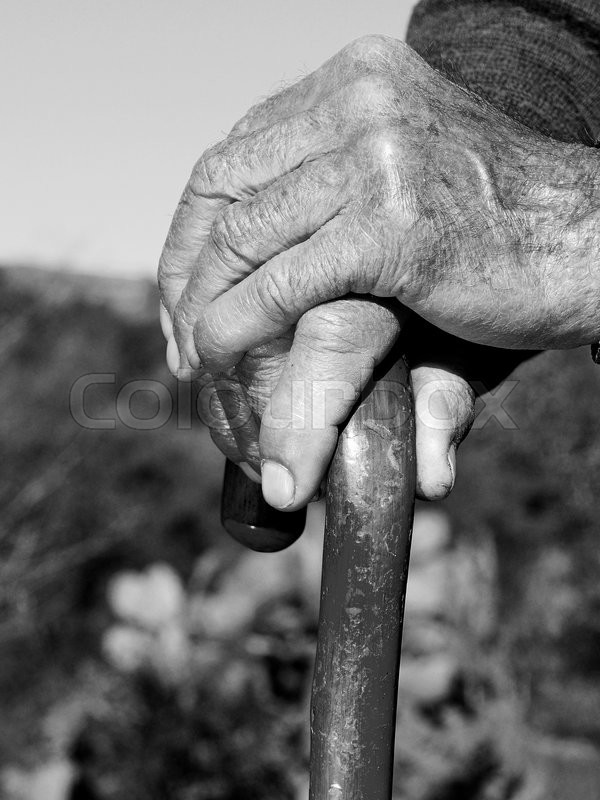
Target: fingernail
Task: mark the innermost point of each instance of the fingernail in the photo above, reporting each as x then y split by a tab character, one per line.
277	484
172	356
250	472
452	465
165	322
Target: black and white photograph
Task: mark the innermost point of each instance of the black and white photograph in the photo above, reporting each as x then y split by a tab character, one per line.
300	407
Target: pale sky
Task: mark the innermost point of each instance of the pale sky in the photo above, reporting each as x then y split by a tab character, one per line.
107	104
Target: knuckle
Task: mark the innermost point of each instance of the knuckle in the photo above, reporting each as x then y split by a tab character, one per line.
271	294
239	229
336	276
266	216
383	146
328	174
183	319
212	342
368	48
329	329
209	173
316	118
170	263
226	232
377	92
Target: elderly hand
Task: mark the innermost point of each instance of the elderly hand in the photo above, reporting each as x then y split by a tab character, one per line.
377	175
301	404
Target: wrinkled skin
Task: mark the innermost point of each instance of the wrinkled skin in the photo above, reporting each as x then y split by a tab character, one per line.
373	177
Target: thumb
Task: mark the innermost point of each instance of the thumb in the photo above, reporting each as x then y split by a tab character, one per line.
335	349
444	407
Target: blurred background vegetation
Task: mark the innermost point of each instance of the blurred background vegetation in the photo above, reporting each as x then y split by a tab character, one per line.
144	655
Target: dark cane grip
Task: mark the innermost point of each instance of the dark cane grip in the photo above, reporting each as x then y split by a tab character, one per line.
250	520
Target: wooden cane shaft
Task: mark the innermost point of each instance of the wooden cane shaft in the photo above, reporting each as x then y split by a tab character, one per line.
370	500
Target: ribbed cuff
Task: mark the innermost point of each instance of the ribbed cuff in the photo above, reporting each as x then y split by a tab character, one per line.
538	62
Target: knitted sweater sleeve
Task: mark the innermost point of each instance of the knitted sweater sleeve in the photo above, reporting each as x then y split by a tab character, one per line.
536	60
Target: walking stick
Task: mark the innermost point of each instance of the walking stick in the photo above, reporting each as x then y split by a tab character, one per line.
368	523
